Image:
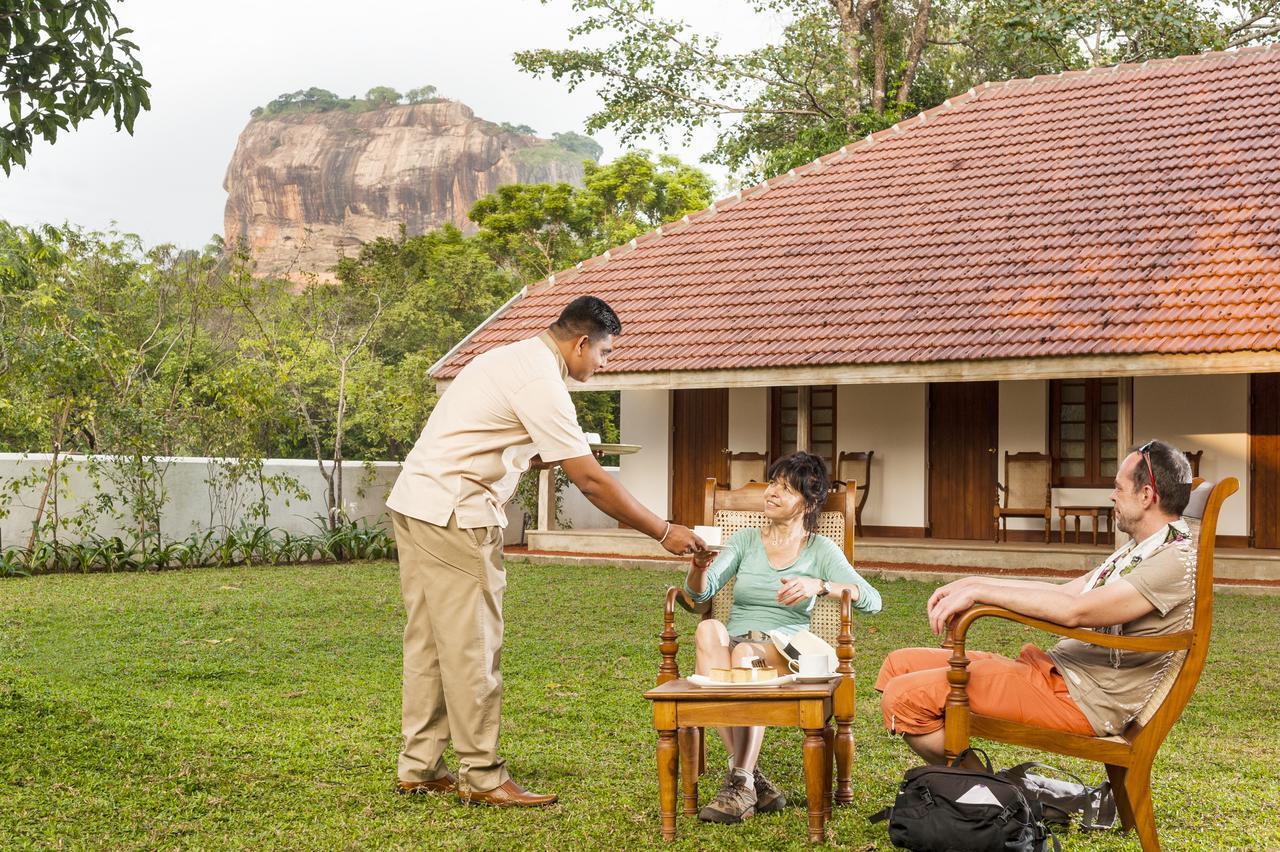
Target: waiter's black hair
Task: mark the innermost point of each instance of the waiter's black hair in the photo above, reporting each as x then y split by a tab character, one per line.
586	315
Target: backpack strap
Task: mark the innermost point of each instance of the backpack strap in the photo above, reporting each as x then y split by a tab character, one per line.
959	758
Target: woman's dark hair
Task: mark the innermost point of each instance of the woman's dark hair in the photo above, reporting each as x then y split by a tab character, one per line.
806	474
586	315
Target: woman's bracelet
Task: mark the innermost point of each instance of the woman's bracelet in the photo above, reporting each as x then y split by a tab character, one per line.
665	533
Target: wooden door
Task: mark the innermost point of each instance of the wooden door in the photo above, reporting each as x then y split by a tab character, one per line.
1264	460
963	435
700	434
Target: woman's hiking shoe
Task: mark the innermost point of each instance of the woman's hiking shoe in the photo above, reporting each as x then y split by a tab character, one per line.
734	802
768	797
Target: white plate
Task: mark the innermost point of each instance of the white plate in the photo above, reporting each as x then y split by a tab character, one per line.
703	680
826	678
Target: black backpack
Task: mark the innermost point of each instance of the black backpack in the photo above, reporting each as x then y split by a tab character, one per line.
954	809
1061	800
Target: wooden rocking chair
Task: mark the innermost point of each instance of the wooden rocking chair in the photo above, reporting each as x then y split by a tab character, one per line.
1128	757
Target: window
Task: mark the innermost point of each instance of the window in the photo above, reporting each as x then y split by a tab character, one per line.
1084	416
818	405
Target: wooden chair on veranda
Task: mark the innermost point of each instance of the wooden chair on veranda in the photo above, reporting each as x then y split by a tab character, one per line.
853	467
831	619
1026	491
1128	757
745	467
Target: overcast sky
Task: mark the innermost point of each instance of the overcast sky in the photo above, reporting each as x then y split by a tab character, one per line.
210	63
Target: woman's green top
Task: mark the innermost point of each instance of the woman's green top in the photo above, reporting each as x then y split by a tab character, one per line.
755	596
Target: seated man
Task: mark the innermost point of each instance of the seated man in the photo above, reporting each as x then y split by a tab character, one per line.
1143	589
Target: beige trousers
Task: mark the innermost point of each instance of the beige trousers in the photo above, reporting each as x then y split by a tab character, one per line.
452	581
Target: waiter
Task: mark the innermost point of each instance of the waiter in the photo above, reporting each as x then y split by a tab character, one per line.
507	410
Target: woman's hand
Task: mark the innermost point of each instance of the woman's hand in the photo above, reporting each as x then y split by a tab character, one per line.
702	560
796	589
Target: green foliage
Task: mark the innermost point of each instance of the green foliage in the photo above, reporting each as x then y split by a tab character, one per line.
842	68
579	144
521	129
218	547
316	99
383	96
421	95
62	61
533	230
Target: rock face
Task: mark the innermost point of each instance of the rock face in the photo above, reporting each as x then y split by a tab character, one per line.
306	188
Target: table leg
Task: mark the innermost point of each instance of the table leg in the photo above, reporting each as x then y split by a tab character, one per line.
688	742
1095	528
828	743
814	751
844	763
668	758
1062	527
1077	529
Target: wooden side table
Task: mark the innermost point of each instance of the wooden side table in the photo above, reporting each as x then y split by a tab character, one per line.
679	704
1098	513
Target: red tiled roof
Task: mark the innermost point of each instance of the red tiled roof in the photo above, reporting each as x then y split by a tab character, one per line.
1120	210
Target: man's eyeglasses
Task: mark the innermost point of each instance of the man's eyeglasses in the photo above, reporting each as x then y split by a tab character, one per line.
1145	452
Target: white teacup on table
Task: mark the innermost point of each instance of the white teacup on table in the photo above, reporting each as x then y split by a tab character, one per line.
811	666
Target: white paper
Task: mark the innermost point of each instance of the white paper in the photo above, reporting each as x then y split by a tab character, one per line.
979	794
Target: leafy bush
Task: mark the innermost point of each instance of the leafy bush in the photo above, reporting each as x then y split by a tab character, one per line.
223	547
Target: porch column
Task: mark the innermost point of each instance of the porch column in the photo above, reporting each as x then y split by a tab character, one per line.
546	499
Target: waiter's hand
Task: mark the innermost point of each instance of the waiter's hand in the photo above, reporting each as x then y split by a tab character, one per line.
681	541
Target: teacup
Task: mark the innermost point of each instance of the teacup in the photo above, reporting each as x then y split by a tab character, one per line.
811	665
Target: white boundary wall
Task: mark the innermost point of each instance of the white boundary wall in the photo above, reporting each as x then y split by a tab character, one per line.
190	506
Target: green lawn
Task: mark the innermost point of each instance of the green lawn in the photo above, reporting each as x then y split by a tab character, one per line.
259	707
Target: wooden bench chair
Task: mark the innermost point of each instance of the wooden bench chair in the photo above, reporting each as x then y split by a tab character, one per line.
1026	491
1128	757
831	619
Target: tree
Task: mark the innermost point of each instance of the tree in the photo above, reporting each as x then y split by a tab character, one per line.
579	144
844	68
422	94
381	96
535	230
63	61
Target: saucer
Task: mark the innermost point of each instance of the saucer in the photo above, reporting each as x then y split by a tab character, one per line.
817	678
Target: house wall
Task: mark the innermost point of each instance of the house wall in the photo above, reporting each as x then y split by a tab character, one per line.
1192	412
889	419
1209	413
646	420
749	420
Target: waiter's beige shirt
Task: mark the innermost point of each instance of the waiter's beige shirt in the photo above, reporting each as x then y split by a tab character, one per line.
506	406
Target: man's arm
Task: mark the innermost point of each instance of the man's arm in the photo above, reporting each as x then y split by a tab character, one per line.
1074	587
1115	603
608	496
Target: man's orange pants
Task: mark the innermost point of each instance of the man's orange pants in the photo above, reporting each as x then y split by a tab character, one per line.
1029	689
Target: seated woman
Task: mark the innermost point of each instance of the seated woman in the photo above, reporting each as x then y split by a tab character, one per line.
782	568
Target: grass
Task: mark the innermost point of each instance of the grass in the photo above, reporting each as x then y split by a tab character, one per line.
259	707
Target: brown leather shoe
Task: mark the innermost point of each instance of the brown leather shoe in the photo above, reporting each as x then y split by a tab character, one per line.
507	795
444	784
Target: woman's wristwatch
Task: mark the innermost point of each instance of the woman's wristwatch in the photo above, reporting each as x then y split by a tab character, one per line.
824	589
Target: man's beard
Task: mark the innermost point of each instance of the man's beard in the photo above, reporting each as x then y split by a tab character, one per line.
1122	522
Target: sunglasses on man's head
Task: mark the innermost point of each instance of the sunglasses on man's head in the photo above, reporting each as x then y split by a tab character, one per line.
1145	452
